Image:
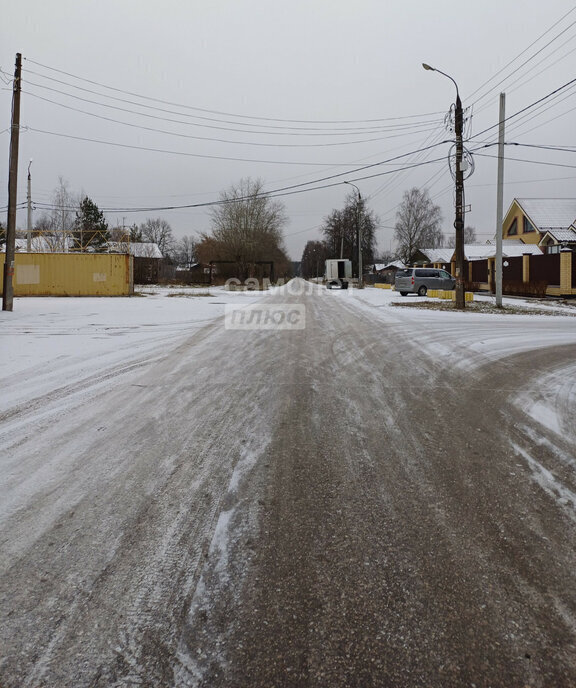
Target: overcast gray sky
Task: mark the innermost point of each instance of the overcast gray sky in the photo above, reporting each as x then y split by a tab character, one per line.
289	91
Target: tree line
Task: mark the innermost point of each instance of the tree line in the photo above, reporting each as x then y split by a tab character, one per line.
245	235
343	230
75	223
418	226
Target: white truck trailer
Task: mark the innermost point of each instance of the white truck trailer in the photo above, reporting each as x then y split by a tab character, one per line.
338	272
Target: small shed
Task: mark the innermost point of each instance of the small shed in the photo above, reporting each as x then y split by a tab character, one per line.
385	272
436	257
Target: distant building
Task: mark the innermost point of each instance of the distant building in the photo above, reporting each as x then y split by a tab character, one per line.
436	257
385	272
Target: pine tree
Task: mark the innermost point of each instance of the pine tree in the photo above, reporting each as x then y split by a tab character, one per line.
90	228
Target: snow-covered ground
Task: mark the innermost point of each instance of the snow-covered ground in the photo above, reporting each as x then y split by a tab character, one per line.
48	343
100	456
52	342
469	339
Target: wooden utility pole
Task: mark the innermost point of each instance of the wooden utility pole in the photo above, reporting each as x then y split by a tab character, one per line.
500	202
459	221
8	288
459	178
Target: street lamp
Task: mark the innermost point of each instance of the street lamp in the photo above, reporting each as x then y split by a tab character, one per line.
359	235
459	219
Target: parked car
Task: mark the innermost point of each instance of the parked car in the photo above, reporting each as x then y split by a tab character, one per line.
419	280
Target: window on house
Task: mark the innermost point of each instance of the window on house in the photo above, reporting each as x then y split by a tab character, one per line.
513	229
528	226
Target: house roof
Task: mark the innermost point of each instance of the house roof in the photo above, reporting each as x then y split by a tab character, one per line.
438	255
386	266
548	213
49	244
561	235
509	250
138	249
42	244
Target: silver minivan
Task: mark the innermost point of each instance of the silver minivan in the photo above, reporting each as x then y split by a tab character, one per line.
419	280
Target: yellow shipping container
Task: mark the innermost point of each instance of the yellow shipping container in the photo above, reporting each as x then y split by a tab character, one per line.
72	274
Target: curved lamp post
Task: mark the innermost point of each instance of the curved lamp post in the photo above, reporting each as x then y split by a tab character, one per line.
459	219
359	234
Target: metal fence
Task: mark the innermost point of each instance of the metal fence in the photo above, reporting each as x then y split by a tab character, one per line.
545	268
512	270
479	271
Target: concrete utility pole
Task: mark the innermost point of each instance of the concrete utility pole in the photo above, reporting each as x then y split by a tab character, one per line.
29	199
8	290
359	235
500	202
459	175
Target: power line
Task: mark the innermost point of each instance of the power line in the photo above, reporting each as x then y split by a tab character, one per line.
563	149
274	193
279	131
520	55
218	112
534	162
528	107
182	153
537	74
217	140
518	125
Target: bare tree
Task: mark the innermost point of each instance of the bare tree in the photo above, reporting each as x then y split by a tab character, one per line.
63	215
247	227
469	237
53	232
418	223
185	252
119	234
340	230
313	258
158	232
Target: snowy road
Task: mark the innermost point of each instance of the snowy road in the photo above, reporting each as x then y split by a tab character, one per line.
386	497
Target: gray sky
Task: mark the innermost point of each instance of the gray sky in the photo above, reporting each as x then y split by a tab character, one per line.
294	91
